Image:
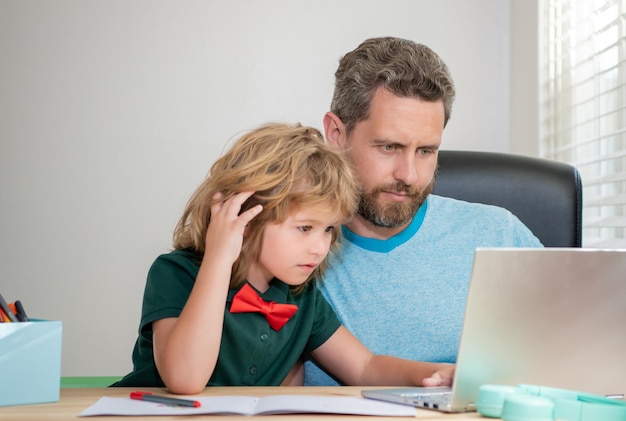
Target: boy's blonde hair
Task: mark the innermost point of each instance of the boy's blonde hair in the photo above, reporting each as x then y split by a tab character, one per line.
287	166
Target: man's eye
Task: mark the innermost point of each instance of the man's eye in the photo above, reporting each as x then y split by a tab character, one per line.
389	148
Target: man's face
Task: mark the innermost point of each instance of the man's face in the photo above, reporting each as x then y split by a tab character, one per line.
395	154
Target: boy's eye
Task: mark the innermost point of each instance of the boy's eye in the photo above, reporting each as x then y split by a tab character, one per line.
330	229
305	228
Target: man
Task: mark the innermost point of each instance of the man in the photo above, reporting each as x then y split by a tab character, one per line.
400	281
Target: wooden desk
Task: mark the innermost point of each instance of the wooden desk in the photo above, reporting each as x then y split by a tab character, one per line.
74	401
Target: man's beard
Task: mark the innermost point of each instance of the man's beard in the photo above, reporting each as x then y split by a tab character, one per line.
394	214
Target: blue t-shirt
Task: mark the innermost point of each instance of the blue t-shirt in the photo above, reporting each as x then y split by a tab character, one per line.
405	296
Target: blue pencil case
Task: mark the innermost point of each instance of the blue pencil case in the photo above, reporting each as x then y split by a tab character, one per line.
30	362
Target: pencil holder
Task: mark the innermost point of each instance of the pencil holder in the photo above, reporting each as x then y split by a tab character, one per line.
30	362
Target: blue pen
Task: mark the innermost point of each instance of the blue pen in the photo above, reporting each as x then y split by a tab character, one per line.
21	313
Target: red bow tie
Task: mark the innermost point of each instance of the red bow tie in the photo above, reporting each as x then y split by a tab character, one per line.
247	300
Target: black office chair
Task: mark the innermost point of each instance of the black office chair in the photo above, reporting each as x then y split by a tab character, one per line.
545	195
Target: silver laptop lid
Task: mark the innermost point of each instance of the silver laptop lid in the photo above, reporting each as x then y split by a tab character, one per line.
553	317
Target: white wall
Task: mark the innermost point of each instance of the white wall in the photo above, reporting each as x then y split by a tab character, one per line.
524	128
111	113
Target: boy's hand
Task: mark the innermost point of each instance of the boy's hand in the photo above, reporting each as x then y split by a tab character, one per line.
227	227
441	377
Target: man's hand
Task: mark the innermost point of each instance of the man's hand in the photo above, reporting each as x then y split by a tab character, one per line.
441	377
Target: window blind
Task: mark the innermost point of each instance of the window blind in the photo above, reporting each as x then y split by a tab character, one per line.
583	106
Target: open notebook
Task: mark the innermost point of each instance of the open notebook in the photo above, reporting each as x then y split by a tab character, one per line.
552	317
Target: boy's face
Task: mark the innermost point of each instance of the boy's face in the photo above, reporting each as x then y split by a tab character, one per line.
292	249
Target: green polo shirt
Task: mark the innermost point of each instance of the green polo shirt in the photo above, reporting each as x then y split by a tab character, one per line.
251	352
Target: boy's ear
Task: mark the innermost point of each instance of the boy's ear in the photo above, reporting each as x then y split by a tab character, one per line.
334	129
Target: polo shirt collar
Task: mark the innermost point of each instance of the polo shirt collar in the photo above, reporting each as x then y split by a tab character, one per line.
278	291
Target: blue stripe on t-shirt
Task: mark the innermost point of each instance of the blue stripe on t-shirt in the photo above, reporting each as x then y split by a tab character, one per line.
384	246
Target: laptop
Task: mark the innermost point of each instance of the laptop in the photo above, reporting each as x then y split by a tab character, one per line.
551	317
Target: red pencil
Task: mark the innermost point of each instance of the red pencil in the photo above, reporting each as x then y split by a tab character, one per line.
166	400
